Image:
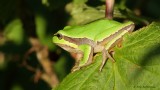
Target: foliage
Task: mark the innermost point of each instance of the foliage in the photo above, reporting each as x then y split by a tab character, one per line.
137	60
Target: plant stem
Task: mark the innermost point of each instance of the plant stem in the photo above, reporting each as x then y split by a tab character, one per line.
109	9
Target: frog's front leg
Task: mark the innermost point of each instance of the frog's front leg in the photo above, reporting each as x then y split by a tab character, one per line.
87	56
105	56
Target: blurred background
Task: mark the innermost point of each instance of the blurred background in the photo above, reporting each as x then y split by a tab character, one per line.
28	58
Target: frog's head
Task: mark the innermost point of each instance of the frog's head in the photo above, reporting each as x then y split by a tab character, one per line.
66	45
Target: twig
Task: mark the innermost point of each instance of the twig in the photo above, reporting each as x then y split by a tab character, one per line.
109	9
42	54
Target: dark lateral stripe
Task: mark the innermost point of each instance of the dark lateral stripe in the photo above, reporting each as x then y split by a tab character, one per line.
79	41
104	41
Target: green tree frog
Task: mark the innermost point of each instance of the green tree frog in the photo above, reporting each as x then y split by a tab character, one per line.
98	36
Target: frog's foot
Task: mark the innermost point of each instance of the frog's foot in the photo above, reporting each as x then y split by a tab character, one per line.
105	56
75	68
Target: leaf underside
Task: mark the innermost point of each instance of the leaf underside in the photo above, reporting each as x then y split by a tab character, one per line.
137	65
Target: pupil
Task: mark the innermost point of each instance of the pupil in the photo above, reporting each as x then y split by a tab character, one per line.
59	36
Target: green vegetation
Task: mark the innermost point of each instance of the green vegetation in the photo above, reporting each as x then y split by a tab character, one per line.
30	61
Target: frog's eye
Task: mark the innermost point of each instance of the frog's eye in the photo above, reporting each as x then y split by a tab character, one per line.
58	35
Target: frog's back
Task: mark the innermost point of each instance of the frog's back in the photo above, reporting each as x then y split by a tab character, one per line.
90	30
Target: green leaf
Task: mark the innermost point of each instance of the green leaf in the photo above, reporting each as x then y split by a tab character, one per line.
14	31
138	60
137	66
82	14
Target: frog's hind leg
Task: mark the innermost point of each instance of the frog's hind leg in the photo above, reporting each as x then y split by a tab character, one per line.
105	56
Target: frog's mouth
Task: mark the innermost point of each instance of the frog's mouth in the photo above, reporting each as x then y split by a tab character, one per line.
69	48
